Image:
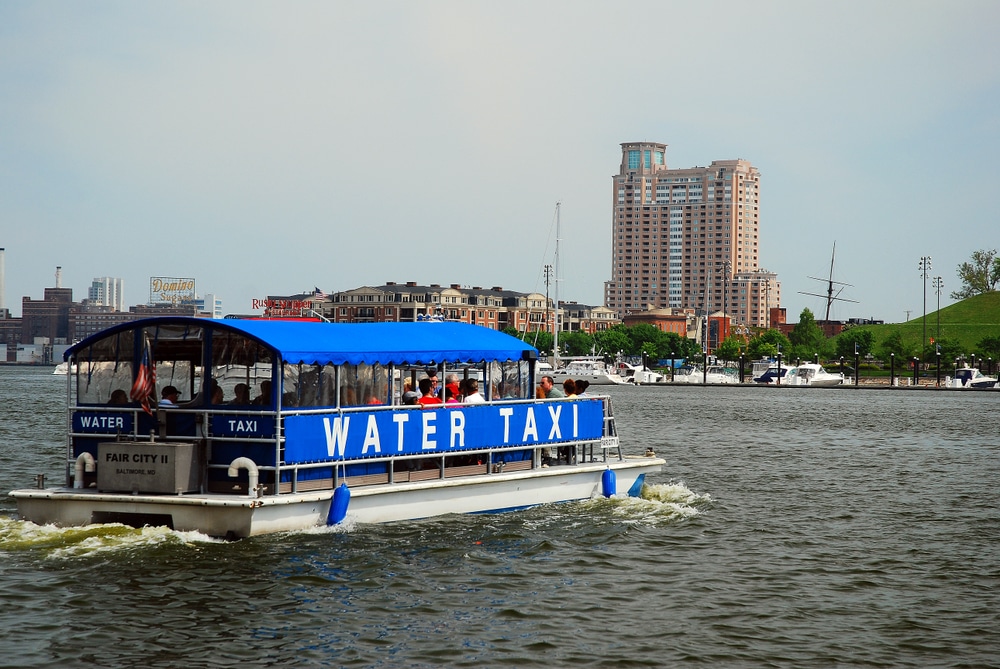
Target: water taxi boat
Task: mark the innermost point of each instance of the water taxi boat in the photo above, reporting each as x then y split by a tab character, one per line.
327	437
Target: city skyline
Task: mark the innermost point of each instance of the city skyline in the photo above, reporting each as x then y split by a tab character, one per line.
274	149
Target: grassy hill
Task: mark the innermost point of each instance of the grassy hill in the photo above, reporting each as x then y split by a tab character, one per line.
966	322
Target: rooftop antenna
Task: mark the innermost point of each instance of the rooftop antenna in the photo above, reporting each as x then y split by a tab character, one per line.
555	333
830	296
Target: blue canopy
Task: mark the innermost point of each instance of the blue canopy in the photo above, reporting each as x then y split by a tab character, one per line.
313	342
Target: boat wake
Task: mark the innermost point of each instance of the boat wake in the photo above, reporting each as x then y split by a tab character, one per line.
88	540
658	503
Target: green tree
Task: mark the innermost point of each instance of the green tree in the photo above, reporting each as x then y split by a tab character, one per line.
767	345
679	347
894	344
645	336
730	348
948	348
609	342
979	276
807	337
989	347
576	342
846	341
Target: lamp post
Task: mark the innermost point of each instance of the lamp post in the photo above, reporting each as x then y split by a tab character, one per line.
938	285
857	365
925	266
778	380
937	354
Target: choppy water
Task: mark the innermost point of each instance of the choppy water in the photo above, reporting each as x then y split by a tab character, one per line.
791	528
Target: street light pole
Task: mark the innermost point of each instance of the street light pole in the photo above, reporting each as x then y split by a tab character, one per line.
925	266
938	285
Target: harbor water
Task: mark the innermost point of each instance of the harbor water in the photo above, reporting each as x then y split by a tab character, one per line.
792	527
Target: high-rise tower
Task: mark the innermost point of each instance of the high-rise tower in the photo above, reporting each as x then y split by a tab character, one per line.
687	238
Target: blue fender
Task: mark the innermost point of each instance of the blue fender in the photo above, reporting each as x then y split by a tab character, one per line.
338	505
608	483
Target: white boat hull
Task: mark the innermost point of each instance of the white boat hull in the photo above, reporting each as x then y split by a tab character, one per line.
594	379
241	516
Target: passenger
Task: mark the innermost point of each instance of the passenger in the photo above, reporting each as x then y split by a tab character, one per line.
427	396
472	395
168	397
242	392
265	393
449	396
119	396
433	376
451	381
218	397
549	386
569	388
581	387
408	395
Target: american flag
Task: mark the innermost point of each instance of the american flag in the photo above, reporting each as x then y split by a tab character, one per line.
319	294
144	387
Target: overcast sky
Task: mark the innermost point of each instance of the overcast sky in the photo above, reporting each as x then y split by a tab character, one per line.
271	147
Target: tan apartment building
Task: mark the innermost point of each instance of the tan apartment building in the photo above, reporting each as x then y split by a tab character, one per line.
494	307
687	238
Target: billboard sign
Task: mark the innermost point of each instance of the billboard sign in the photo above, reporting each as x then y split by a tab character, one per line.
163	289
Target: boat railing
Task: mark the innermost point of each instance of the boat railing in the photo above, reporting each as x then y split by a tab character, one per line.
279	476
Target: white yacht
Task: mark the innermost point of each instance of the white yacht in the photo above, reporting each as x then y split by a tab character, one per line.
970	377
812	374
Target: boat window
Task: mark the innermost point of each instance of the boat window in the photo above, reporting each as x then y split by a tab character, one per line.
510	380
177	351
315	386
239	365
363	384
104	367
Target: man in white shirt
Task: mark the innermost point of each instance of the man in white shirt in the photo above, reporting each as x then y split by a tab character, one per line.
472	395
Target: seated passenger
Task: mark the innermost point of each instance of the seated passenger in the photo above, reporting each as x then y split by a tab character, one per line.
119	396
551	390
472	395
265	393
168	397
569	388
242	394
451	381
427	396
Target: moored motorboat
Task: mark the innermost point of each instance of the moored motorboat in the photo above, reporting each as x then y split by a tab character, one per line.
589	368
775	375
638	375
711	374
812	374
971	377
328	436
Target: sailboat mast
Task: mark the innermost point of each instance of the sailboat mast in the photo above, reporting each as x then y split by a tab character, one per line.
555	333
829	285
